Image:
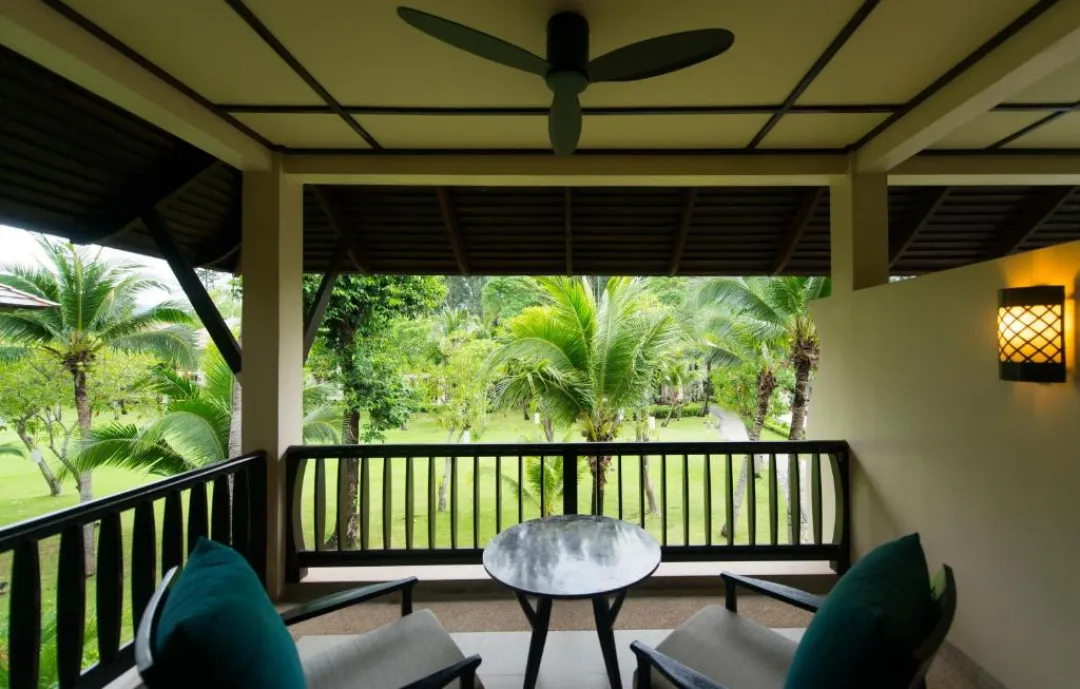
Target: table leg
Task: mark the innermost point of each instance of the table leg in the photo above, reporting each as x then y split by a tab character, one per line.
539	619
605	621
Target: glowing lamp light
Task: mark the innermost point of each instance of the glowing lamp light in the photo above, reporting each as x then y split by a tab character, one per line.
1031	334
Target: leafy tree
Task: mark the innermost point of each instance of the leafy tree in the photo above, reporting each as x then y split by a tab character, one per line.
363	308
98	312
462	383
466	292
194	431
506	296
31	392
597	358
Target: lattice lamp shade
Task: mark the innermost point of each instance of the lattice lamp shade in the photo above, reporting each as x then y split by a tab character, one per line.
1031	334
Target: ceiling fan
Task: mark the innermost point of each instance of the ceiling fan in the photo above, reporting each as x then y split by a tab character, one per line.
568	70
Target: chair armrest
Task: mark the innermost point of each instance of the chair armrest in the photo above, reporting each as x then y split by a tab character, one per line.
787	594
675	672
464	670
344	599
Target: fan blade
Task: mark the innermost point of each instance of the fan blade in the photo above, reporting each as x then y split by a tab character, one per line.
660	55
564	122
476	42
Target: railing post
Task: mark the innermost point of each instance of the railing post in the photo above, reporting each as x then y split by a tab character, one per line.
294	533
570	482
841	467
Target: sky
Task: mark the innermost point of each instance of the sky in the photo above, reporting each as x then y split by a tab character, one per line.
19	247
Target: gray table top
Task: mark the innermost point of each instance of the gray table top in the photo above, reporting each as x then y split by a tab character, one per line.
572	556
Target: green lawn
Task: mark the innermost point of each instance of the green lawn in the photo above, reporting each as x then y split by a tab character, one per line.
23	495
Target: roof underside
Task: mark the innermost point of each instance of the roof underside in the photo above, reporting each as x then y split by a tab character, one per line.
74	165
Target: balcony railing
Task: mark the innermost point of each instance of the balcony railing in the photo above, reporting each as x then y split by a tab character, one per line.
226	502
440	504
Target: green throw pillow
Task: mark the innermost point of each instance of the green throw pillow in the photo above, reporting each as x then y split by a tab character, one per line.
865	633
219	628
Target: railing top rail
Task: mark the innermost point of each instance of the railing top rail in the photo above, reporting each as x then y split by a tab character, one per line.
552	449
54	523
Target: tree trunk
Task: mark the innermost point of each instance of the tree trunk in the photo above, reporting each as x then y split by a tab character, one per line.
445	483
38	458
706	389
800	404
234	420
525	410
86	489
667	419
598	466
350	431
737	499
766	385
641	436
549	428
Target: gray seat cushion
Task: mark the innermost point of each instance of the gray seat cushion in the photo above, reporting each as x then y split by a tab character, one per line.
389	657
732	650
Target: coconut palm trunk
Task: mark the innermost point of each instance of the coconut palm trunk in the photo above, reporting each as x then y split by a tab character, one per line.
804	358
766	385
85	480
235	428
444	485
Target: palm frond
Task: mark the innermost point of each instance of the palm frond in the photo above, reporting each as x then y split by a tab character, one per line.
174	343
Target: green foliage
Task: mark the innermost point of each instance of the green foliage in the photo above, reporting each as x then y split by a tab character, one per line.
362	305
466	292
507	296
379	385
458	385
592	359
97	310
661	411
194	431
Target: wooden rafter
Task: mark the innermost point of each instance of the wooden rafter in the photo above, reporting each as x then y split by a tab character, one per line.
931	202
799	223
196	293
174	177
456	243
568	220
1039	209
686	215
315	314
331	206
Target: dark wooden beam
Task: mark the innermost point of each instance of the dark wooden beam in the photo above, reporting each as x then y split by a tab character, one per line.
1042	121
799	223
456	243
932	200
1042	206
322	297
568	219
685	216
331	206
278	47
196	293
172	178
543	111
819	65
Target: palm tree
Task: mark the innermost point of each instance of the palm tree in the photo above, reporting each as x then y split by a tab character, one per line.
774	313
98	312
194	431
542	480
775	310
595	358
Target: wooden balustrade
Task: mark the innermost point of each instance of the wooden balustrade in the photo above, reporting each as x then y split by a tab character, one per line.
238	501
487	488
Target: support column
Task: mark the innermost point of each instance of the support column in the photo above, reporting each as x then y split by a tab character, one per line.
273	335
859	231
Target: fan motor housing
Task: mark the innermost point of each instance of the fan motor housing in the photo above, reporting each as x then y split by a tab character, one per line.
568	43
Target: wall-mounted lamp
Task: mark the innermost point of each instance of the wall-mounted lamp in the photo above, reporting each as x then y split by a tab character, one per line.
1031	334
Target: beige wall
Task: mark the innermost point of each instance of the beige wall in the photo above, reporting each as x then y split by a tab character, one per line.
987	471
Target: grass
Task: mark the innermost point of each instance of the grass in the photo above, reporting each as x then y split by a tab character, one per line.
24	495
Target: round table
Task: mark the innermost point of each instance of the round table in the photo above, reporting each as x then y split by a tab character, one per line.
572	556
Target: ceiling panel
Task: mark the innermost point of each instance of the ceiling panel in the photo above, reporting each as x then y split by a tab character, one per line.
204	44
1063	132
988	128
422	131
820	131
904	45
304	131
365	55
1063	86
669	131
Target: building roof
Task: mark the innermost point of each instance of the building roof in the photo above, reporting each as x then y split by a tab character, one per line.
11	298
